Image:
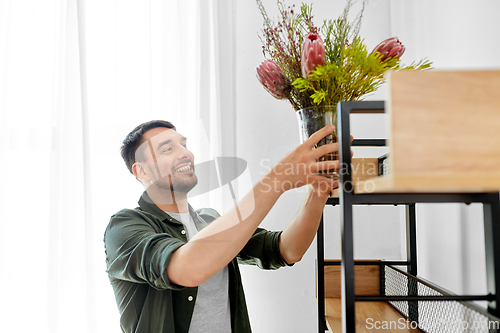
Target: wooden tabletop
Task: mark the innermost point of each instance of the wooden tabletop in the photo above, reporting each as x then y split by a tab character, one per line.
370	317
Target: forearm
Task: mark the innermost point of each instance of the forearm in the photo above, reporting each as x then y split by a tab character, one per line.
216	245
299	234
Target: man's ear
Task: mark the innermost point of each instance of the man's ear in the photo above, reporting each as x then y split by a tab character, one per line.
140	172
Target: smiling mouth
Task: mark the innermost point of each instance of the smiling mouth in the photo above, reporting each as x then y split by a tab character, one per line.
184	168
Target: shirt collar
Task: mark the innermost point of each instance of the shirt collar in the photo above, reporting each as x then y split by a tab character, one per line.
149	206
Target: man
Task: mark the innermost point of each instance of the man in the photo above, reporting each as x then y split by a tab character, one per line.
174	269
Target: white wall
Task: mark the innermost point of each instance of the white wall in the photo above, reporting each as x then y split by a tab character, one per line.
453	34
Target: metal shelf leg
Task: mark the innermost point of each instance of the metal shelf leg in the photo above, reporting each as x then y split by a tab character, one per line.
411	254
491	211
320	263
347	268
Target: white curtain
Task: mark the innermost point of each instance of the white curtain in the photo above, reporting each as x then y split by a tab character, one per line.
75	78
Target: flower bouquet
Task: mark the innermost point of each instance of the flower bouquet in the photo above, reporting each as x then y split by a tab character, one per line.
316	67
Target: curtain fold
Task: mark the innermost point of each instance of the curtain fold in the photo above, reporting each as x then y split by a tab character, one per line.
45	218
90	267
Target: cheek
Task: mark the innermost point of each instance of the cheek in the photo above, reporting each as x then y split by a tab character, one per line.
168	167
163	167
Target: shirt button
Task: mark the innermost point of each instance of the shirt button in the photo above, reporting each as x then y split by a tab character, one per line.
183	232
190	298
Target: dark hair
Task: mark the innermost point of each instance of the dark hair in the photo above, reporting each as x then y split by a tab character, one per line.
134	140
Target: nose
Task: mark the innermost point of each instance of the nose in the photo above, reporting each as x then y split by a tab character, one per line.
184	153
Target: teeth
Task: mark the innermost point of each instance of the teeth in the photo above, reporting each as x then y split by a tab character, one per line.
186	168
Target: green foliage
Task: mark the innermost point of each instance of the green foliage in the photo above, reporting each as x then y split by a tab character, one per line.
354	74
337	33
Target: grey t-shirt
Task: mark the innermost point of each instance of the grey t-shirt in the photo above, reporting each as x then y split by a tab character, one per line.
211	311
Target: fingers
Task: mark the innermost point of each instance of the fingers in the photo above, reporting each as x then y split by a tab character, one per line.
325	149
304	160
328	148
322	184
318	135
324	166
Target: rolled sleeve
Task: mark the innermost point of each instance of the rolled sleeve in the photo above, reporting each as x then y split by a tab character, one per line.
137	251
263	250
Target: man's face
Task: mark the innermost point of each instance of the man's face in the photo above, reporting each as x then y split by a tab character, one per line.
168	164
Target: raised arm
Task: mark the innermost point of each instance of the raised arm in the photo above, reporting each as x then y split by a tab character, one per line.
299	234
215	246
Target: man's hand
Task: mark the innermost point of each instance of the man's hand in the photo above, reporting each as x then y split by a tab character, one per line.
298	235
324	189
300	166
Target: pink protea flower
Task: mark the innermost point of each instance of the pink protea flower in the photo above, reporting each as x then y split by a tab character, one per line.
313	54
273	79
390	48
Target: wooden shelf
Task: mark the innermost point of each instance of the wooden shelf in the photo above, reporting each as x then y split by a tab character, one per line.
434	183
442	133
367	279
368	314
367	282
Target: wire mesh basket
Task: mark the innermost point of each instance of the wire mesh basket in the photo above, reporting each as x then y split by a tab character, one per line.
434	316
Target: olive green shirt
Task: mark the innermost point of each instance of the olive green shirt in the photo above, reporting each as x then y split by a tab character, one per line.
139	244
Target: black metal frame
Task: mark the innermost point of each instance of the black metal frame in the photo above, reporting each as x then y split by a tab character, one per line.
346	200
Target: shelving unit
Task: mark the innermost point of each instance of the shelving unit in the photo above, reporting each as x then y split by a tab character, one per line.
412	180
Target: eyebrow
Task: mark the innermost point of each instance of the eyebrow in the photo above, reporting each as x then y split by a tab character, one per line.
166	142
